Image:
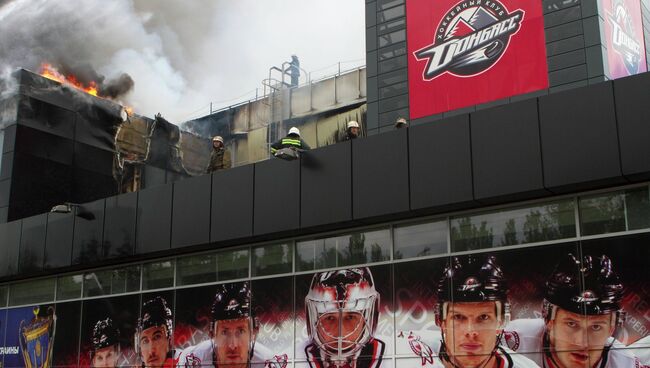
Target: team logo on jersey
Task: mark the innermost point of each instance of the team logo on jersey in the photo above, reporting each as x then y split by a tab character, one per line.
192	361
470	38
624	39
420	349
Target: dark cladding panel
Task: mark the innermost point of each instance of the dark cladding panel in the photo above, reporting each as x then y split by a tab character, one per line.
232	203
191	211
93	173
58	244
97	124
9	138
633	113
9	243
326	179
119	225
46	117
88	232
154	219
44	145
579	138
440	163
380	183
37	185
32	243
277	196
506	155
7	165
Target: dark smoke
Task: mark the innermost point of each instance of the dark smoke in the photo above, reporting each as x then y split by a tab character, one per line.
86	74
116	87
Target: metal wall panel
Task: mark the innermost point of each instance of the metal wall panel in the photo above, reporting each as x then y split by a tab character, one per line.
32	244
10	240
347	87
88	233
58	243
232	203
300	100
323	94
277	196
191	211
120	225
154	219
260	113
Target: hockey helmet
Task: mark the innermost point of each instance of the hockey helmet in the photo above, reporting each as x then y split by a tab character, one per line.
105	334
155	313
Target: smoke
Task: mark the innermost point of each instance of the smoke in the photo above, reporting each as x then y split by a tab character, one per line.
175	56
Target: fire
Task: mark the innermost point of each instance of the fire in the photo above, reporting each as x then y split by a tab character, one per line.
129	110
50	72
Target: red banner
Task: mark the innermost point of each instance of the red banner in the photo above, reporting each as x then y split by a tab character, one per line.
467	52
624	38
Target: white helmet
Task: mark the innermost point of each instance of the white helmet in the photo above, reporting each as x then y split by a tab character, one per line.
335	295
217	138
295	131
352	124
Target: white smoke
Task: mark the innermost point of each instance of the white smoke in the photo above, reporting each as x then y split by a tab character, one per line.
180	54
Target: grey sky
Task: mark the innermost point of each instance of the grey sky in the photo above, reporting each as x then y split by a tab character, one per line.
183	55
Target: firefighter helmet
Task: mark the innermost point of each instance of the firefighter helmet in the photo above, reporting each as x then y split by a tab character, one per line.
294	131
352	124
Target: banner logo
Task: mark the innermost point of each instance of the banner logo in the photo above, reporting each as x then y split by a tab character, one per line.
624	39
470	39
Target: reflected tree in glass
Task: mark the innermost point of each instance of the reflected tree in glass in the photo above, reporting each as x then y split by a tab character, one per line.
466	235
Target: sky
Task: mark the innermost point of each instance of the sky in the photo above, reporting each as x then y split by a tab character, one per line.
181	55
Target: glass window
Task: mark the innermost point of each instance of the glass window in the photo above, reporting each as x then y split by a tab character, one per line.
232	265
3	296
385	4
612	212
389	14
364	247
97	283
69	287
31	292
272	259
196	269
421	240
517	226
125	280
157	275
391	38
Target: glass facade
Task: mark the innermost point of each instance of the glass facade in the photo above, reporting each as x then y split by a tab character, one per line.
395	279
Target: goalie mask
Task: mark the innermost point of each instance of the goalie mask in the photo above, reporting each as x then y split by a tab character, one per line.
342	309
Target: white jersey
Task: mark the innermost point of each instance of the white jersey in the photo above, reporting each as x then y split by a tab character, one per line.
526	336
642	350
426	345
202	356
373	350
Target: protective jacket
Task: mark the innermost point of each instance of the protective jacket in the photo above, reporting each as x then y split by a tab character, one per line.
219	160
289	141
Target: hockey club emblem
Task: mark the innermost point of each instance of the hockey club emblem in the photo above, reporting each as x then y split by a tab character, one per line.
587	296
624	39
470	39
470	284
420	349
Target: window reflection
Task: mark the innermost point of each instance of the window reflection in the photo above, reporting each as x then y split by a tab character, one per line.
232	265
518	226
196	269
157	275
421	240
272	259
30	292
613	212
69	287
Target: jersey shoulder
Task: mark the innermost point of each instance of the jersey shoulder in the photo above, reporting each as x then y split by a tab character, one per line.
196	356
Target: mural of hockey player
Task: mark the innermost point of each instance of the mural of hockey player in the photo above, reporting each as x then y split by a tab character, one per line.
153	336
342	310
233	331
581	314
471	310
106	344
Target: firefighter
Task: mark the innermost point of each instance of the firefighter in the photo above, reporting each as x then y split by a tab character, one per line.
352	130
106	344
291	141
400	123
220	157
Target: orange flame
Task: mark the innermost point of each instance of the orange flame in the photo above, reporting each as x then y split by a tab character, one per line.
50	72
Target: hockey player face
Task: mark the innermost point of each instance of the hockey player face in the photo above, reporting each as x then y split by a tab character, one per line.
232	338
578	341
470	331
105	357
154	346
345	328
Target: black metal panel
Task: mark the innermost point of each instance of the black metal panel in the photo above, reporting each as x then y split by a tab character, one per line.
7	165
4	213
579	138
58	244
46	117
232	203
44	145
153	176
380	183
9	138
32	244
326	178
440	163
119	225
93	174
154	219
37	185
97	124
506	153
277	196
191	211
633	114
5	187
10	244
88	232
